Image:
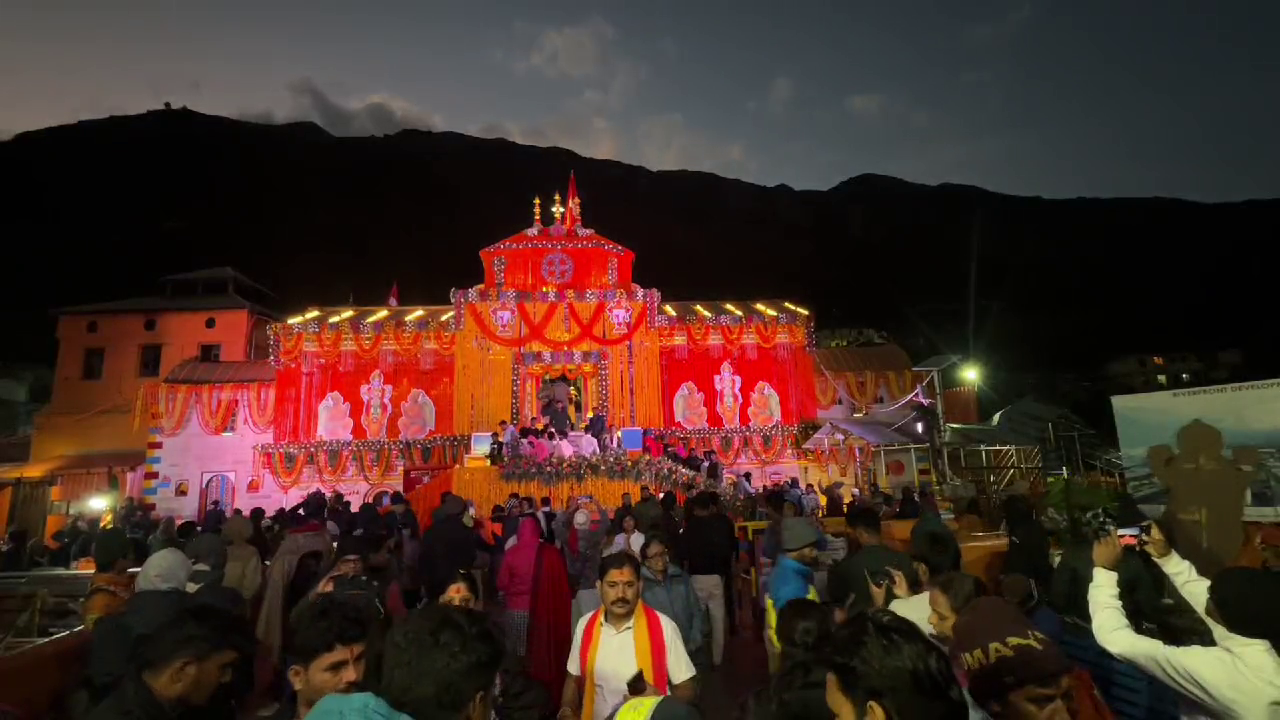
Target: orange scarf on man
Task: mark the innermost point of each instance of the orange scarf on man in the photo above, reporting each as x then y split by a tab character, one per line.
651	653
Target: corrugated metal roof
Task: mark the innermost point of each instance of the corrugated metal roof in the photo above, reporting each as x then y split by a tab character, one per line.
194	372
217	273
864	358
225	301
72	463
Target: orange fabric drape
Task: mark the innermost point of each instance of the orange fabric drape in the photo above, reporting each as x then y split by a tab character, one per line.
484	487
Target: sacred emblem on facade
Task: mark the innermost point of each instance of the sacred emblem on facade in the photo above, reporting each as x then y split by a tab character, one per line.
728	395
766	407
619	312
333	418
503	316
377	406
690	407
417	416
557	268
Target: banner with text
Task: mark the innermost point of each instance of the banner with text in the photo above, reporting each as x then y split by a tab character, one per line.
1247	414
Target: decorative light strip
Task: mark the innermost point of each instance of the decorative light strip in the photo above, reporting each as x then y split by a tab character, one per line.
446	316
669	310
378	315
702	311
800	310
415	314
732	309
766	309
342	316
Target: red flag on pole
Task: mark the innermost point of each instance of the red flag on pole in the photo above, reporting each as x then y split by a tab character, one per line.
571	204
394	299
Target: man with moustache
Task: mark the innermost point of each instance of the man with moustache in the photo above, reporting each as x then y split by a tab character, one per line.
616	642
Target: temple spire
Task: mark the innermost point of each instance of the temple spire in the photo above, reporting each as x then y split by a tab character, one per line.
573	207
557	209
537	211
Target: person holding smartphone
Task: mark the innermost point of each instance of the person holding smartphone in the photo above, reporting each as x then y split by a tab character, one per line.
1239	677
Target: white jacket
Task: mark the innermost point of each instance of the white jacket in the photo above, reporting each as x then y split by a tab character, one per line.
1239	678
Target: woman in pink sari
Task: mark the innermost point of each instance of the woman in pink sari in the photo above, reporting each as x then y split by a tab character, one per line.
535	583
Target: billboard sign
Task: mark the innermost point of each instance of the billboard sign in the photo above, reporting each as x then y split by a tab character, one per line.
1247	414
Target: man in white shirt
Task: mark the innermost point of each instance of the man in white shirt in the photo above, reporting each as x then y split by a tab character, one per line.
1237	678
612	632
589	446
560	446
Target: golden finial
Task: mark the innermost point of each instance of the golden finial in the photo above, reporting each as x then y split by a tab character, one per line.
557	209
537	210
577	208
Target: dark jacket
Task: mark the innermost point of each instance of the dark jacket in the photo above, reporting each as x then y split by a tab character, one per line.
447	546
849	576
708	544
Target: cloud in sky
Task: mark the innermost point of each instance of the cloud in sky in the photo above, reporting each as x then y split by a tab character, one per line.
1001	27
866	105
597	119
781	91
379	114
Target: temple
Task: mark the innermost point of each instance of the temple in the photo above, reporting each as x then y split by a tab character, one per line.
372	400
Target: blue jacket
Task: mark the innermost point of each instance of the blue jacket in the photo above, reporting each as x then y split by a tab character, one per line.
788	581
674	597
356	706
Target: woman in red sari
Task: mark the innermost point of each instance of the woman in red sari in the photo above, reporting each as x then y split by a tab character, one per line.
535	583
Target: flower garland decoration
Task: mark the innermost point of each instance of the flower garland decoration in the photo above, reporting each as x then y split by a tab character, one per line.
173	403
329	471
260	398
658	473
216	409
285	470
377	469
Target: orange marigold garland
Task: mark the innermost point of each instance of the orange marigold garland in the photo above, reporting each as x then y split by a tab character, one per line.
377	468
173	403
326	471
216	409
285	472
292	341
260	399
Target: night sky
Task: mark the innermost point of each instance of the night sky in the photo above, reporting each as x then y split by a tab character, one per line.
1059	98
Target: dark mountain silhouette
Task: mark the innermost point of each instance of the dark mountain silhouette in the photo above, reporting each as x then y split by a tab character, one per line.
99	209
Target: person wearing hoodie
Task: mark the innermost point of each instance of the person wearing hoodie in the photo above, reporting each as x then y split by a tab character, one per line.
448	544
165	536
583	534
667	589
208	554
111	585
243	571
441	664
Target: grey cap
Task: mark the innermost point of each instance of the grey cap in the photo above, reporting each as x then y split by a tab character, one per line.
798	533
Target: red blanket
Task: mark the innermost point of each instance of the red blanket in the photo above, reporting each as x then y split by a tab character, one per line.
550	634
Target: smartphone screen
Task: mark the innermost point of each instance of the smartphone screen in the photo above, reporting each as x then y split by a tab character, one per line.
1129	536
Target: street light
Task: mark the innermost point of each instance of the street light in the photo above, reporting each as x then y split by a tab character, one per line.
97	503
970	373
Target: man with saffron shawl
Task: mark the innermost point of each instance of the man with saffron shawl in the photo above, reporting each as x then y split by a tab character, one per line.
618	641
535	584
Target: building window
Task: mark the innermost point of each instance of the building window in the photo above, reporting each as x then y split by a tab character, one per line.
92	327
210	323
211	353
1163	380
1158	360
94	361
149	324
149	361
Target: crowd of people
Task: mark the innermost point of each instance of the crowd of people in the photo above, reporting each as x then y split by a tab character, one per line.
575	611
